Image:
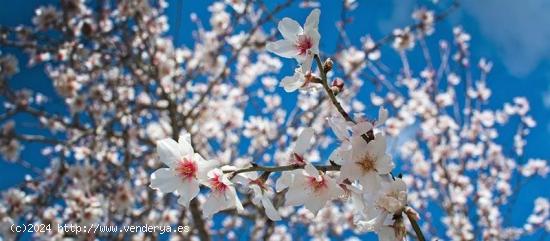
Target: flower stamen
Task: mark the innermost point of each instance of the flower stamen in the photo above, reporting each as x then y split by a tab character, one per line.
187	169
317	183
367	163
303	44
217	184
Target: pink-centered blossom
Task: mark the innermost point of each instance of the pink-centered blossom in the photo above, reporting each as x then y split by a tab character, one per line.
303	142
299	43
186	169
261	193
222	195
312	189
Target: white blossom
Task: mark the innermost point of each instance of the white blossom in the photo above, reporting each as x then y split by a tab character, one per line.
186	169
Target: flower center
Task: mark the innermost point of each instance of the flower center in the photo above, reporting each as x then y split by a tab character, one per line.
217	184
186	169
317	183
367	163
303	44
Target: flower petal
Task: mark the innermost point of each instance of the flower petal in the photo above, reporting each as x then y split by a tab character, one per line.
306	61
400	185
297	194
286	179
165	180
270	210
189	190
377	147
169	151
215	202
384	165
204	166
386	233
361	128
292	83
185	144
334	189
311	170
314	203
290	29
339	126
232	195
350	170
359	148
373	224
370	181
358	202
382	116
312	20
341	154
303	141
315	37
242	179
283	48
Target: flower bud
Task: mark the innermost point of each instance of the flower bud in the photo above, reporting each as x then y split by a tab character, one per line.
327	65
411	213
87	29
337	86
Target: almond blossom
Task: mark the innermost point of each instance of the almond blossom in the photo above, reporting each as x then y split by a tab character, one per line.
299	43
294	82
312	189
222	194
341	127
381	206
368	160
403	39
186	169
262	193
343	130
303	142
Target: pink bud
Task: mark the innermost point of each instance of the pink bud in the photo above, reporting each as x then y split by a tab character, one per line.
337	85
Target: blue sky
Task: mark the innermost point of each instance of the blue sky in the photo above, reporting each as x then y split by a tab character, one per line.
512	34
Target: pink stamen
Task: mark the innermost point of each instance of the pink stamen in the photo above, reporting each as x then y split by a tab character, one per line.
303	44
187	169
317	185
217	185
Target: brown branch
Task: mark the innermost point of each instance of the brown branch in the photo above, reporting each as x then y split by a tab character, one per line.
329	92
256	168
370	134
415	226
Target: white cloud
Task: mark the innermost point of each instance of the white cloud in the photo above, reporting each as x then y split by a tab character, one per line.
400	16
546	97
518	29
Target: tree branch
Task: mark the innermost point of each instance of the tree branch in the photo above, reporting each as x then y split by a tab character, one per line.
323	168
415	226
